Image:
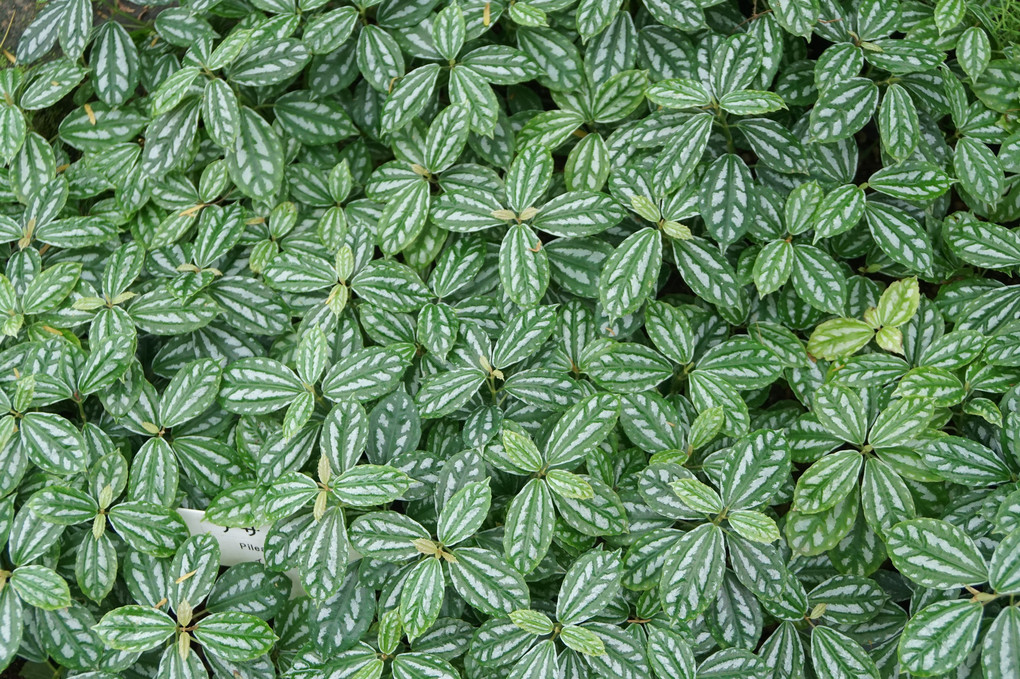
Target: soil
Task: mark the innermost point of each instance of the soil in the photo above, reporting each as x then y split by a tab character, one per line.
16	15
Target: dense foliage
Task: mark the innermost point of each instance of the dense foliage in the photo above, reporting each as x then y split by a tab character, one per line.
553	338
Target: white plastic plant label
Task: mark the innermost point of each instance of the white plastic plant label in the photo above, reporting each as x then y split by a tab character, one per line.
237	545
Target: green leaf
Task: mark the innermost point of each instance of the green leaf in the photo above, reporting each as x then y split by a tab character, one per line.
312	122
448	31
630	273
837	656
899	235
587	167
900	421
529	526
582	640
154	475
697	496
191	391
619	96
446	138
751	102
445	393
911	181
521	451
63	505
693	573
840	210
135	628
589	586
404	218
523	266
387	536
755	470
754	526
839	338
735	64
978	170
524	335
581	428
107	363
255	386
422	597
707	273
195	567
670	655
841	412
13	130
50	288
998	649
772	267
255	161
669	330
1004	567
379	58
326	32
52	443
601	514
533	622
812	534
366	374
982	244
148	528
272	62
679	159
569	485
796	16
367	485
464	513
390	285
528	178
939	637
235	636
409	96
935	554
420	665
898	303
726	199
51	83
963	461
41	587
898	124
973	50
948	13
578	213
843	109
525	14
679	93
710	391
827	482
222	114
12	624
486	582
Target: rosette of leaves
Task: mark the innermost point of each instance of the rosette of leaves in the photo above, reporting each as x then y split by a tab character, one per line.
23	583
939	556
482	578
584	503
147	527
230	638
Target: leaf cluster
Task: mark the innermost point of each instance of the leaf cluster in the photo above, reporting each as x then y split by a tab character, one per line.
543	338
